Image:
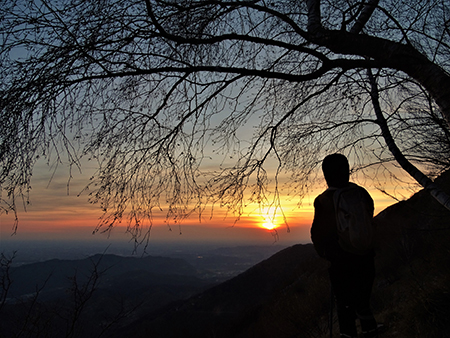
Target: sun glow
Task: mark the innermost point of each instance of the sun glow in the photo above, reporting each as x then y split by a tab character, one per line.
270	218
268	224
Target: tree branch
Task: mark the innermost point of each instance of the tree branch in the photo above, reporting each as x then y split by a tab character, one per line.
435	190
364	16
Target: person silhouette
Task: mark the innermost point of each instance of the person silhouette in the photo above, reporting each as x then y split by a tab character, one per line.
351	275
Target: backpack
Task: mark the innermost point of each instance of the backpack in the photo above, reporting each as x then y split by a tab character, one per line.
354	219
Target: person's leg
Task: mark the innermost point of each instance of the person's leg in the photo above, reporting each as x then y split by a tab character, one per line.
341	282
368	324
346	318
364	291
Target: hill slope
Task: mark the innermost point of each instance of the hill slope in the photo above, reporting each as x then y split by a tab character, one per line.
232	308
287	295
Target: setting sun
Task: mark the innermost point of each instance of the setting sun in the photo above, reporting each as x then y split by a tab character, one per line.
270	218
268	224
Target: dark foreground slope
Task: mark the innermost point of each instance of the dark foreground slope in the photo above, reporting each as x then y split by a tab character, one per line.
287	295
412	291
269	297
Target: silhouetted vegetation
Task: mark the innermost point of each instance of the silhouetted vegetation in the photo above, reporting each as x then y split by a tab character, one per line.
187	105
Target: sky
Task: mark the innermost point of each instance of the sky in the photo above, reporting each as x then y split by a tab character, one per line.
56	212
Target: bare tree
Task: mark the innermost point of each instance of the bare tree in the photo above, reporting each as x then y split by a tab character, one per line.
187	104
5	276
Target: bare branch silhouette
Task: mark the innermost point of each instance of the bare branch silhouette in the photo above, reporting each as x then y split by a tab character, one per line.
188	106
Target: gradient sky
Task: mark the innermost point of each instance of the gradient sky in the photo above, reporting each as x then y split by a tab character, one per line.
57	213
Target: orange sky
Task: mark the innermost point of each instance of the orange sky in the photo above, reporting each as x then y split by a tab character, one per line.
55	214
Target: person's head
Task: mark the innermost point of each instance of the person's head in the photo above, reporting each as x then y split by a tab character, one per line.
336	170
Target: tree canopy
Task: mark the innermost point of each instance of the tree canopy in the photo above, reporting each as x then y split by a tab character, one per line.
187	104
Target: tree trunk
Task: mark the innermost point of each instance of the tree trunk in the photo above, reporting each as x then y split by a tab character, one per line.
435	190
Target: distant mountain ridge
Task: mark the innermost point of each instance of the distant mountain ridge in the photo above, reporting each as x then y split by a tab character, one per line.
52	295
93	295
57	273
226	309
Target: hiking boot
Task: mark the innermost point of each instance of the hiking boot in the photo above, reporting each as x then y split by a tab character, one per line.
374	333
370	334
